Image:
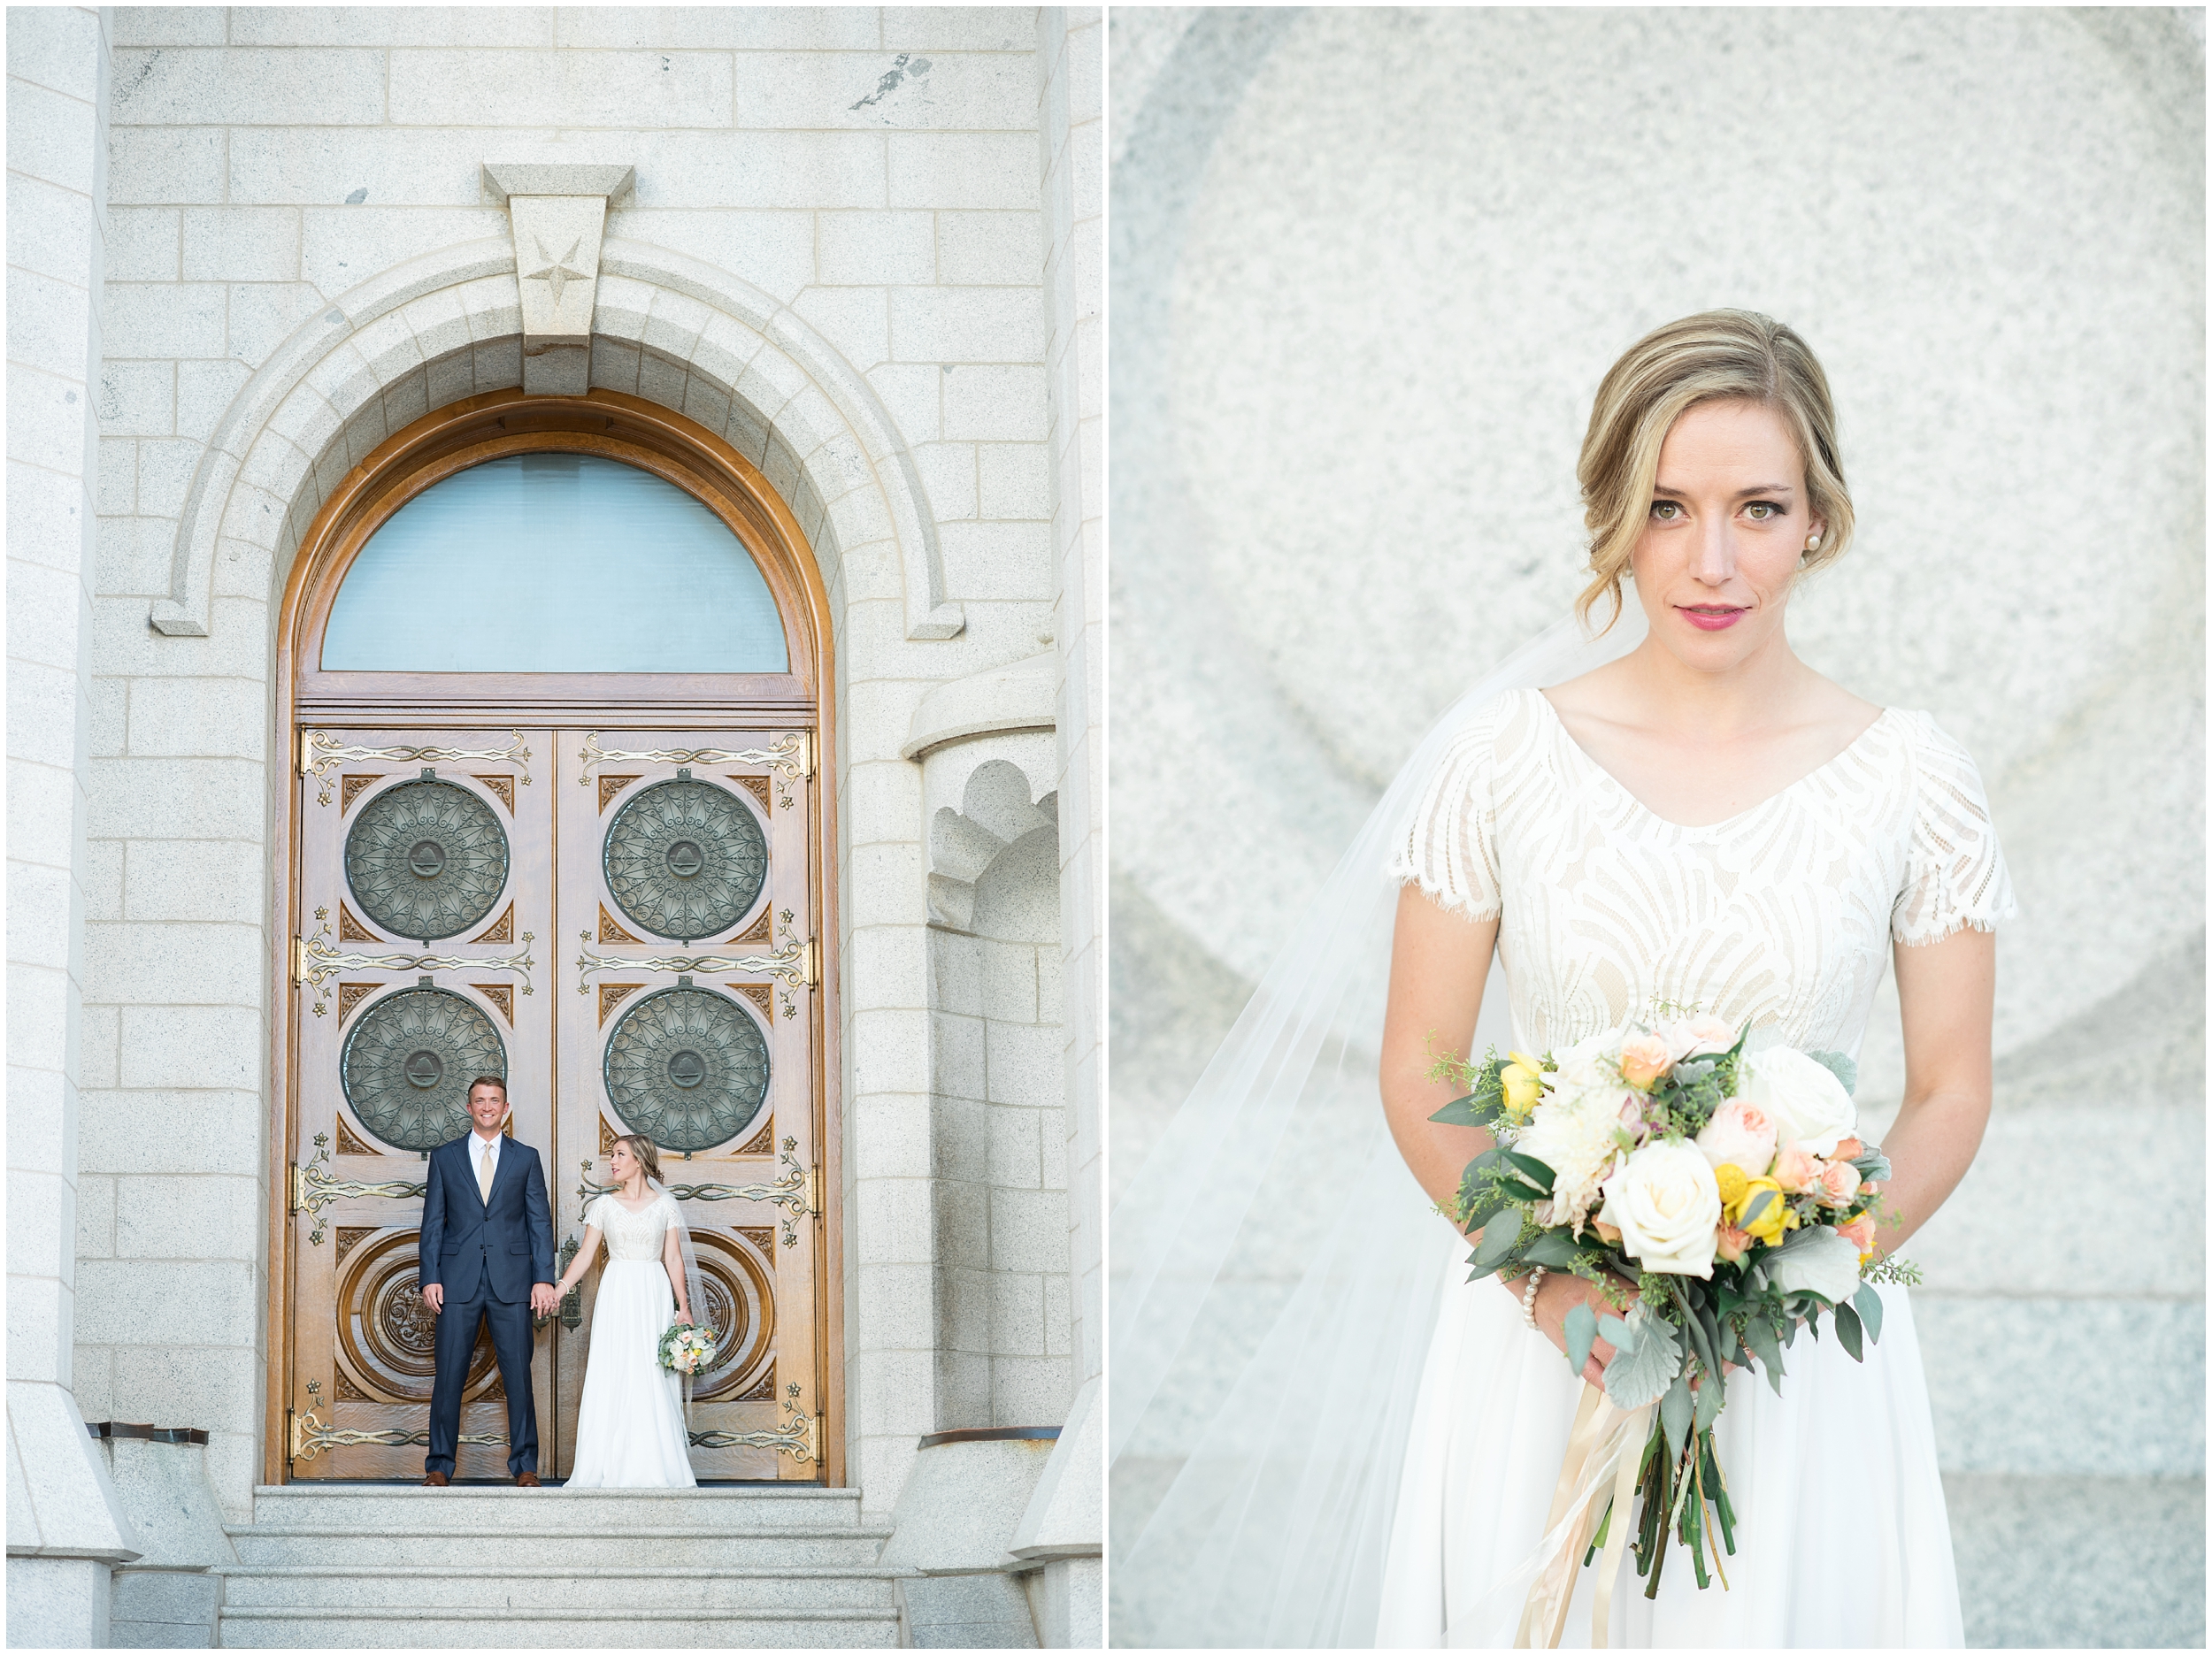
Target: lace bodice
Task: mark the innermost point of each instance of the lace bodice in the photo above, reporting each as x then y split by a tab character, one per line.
633	1236
1781	916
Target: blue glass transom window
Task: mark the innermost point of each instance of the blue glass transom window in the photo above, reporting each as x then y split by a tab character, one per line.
553	563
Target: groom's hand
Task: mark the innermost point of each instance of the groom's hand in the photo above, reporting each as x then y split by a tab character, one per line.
543	1300
433	1296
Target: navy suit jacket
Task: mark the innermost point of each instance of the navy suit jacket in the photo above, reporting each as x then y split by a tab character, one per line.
470	1245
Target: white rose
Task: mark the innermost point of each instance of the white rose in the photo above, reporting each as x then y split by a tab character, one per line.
1804	1099
1816	1260
1667	1208
1588	1065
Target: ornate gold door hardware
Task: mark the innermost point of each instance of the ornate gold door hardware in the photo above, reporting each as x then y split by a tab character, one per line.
315	962
309	1436
319	754
793	965
313	1188
801	1437
792	756
800	1190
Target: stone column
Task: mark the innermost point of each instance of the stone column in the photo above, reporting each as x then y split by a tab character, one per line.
66	1528
1064	1528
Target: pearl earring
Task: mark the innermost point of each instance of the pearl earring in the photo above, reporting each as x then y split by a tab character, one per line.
1813	544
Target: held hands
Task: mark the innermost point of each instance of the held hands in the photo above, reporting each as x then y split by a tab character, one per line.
544	1298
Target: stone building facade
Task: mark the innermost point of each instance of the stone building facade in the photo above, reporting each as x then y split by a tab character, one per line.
849	256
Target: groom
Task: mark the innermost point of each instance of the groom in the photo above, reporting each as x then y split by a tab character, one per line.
486	1237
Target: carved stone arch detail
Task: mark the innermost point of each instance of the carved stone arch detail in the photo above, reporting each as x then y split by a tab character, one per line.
996	814
448	326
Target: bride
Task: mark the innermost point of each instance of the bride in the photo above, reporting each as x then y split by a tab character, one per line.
1701	820
630	1430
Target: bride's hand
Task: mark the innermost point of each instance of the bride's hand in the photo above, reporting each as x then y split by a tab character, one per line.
1559	1293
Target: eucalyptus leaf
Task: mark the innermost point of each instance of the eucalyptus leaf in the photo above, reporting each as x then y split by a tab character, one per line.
1868	1302
1848	1332
1555	1249
1618	1333
1758	1334
1841	1067
1675	1409
1537	1172
1872	1167
1642	1373
1582	1332
1498	1241
1710	1395
1474	1109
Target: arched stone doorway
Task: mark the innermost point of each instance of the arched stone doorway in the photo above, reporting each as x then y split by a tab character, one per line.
584	807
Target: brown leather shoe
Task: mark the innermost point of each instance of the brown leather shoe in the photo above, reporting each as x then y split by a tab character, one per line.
436	1480
527	1480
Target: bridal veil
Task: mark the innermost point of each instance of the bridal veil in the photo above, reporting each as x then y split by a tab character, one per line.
1276	1273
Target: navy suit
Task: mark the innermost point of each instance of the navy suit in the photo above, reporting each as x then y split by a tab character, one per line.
486	1255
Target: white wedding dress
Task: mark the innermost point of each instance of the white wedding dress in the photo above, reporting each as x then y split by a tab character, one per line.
630	1425
1782	916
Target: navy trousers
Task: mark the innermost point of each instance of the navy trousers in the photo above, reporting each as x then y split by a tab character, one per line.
510	1342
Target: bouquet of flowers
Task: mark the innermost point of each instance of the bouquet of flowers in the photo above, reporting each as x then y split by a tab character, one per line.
686	1348
1730	1187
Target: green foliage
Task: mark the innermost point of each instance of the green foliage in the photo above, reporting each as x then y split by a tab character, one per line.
1848	1332
1868	1304
1581	1329
1894	1270
1841	1067
1646	1356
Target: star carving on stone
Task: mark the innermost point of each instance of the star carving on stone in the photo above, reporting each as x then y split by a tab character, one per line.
557	270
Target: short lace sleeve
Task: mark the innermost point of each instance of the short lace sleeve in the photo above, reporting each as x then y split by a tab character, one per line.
596	1214
1954	873
1448	848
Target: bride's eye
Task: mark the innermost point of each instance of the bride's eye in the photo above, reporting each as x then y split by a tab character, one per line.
1666	511
1765	511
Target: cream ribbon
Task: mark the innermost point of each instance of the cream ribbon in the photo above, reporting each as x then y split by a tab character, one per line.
1606	1443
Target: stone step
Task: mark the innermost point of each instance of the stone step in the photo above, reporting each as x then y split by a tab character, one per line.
659	1545
626	1627
505	1508
585	1583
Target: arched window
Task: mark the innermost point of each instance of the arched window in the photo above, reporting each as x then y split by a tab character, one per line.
551	561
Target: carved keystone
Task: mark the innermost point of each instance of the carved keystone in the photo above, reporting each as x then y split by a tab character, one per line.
558	212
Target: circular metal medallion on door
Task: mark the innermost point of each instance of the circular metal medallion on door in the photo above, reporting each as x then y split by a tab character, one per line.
427	859
406	1065
685	859
688	1068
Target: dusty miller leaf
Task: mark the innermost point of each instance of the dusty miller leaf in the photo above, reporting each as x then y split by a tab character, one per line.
1841	1067
1641	1372
1581	1330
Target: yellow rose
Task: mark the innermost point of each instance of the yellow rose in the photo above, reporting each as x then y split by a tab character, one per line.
1773	1219
1522	1080
1732	1180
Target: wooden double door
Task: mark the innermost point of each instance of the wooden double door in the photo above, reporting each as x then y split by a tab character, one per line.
623	925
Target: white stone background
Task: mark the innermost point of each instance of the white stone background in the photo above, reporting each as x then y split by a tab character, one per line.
1368	268
937	227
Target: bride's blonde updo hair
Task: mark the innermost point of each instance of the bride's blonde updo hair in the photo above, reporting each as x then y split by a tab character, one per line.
648	1156
1718	356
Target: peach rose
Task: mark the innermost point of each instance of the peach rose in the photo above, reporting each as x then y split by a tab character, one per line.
1741	1135
1795	1169
1860	1233
1610	1236
1644	1059
1838	1185
1732	1244
1699	1036
1848	1149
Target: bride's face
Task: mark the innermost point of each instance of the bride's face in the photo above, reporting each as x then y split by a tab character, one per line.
1727	523
622	1163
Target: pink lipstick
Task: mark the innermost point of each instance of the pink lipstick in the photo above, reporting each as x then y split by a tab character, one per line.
1712	618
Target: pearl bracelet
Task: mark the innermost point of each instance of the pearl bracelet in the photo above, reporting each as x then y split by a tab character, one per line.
1528	1299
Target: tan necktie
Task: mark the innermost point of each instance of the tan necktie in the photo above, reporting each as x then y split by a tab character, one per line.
484	1172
